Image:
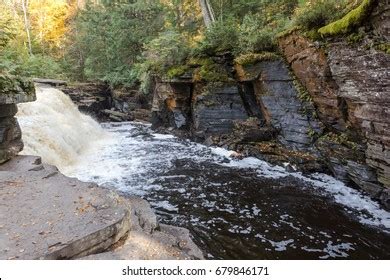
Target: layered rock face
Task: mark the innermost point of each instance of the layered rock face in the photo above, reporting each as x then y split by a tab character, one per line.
103	103
215	110
260	113
280	103
349	84
171	105
12	91
324	108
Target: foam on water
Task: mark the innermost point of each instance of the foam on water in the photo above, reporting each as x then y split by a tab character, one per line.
133	157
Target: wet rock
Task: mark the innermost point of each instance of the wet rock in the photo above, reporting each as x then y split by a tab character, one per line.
380	19
10	138
132	102
364	80
277	154
117	116
8	110
385	198
280	104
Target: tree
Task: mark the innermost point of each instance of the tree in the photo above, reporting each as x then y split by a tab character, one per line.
27	24
109	37
207	11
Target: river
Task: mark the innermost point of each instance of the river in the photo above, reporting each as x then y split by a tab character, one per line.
234	209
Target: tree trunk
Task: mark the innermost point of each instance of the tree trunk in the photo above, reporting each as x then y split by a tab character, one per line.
27	25
207	11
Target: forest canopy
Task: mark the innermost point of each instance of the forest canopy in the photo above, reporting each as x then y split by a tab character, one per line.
123	42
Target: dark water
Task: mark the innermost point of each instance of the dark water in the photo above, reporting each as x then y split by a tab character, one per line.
239	209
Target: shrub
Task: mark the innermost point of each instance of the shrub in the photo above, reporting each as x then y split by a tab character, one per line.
221	37
317	13
39	66
254	35
169	49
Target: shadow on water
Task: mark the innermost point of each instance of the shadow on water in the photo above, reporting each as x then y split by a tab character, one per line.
231	210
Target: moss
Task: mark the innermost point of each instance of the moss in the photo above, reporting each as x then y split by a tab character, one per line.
287	32
253	58
313	35
177	71
355	38
350	21
210	71
341	138
198	61
385	47
314	135
303	95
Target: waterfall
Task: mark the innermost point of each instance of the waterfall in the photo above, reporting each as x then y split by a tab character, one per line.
54	128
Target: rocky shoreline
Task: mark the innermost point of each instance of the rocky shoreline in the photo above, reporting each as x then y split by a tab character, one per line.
56	217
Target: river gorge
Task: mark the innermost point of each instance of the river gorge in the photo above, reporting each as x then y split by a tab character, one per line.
234	208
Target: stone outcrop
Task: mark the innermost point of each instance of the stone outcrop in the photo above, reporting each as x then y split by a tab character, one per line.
103	103
261	109
349	85
171	105
13	90
90	98
149	240
56	217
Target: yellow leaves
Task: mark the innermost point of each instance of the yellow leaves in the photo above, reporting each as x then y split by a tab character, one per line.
49	21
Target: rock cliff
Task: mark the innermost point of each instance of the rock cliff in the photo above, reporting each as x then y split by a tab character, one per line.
321	105
349	83
13	90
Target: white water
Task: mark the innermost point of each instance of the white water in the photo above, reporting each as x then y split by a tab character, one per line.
54	129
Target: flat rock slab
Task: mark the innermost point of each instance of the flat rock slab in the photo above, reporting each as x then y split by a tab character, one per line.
45	215
167	243
149	240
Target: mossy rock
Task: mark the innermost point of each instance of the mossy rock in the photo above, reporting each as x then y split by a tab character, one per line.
212	72
177	71
288	32
253	58
350	21
15	89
